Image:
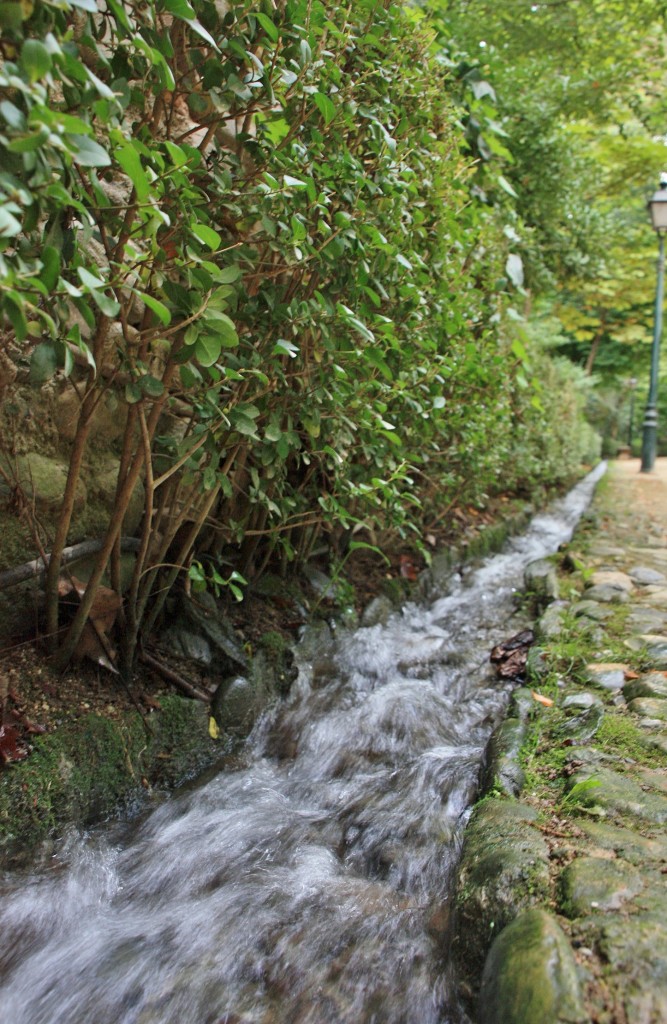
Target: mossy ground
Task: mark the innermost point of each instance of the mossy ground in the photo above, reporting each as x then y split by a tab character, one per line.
95	766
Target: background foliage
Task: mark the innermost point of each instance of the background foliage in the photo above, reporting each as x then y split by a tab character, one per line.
291	238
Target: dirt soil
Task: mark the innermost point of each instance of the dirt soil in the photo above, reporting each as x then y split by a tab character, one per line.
636	504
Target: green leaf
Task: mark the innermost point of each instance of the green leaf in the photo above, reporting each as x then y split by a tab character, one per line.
207	349
180	9
12	14
35	59
325	106
151	386
50	271
272	432
161	311
12	115
505	185
128	157
14	309
87	152
208	235
43	363
244	424
108	306
133	393
190	376
229	274
30	142
285	348
89	280
219	323
518	349
102	88
197	27
267	25
290	182
9	225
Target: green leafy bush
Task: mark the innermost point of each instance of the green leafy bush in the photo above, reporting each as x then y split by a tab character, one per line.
263	226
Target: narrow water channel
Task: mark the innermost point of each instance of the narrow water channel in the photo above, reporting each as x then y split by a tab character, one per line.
311	884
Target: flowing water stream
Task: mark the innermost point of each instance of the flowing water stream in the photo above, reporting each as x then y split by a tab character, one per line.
311	883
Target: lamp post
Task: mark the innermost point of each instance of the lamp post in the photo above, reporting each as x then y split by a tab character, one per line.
632	385
657	206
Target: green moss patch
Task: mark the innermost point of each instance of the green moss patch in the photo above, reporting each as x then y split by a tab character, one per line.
92	768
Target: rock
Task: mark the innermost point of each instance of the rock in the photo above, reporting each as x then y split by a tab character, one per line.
550	623
655	595
629	844
646	620
606	675
656	650
109	417
537	665
591	610
185	644
325	588
43	479
611	578
579	700
103	486
530	976
236	705
635	949
502	770
7	370
582	727
620	794
522	704
442	567
541	582
606	594
201	615
649	707
315	642
602	549
378	611
593	883
644	576
504	869
650	684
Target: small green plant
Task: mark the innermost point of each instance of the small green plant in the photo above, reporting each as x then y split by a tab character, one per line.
203	579
576	796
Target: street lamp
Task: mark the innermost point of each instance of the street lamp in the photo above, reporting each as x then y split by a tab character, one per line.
657	206
632	387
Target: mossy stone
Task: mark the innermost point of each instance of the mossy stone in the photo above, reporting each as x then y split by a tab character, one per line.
649	707
530	975
651	684
629	844
43	478
504	869
594	883
620	794
90	768
503	770
541	582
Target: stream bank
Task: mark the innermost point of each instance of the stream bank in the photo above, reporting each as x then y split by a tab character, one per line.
98	749
561	904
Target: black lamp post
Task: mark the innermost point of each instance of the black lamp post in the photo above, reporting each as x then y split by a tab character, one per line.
632	385
657	206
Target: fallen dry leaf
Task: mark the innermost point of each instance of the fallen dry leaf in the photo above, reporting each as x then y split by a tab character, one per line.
541	699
